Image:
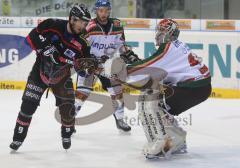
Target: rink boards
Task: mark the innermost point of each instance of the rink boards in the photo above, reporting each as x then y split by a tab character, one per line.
220	51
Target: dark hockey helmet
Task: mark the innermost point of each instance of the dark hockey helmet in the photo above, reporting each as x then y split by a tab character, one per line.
80	11
103	3
167	30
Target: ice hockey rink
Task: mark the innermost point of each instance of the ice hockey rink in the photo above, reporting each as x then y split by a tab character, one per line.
213	138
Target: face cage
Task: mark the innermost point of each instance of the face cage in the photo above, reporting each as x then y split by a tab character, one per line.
164	35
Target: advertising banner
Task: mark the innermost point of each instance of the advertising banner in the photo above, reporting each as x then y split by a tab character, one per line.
220	52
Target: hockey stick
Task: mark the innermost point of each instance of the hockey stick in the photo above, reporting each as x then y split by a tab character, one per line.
149	83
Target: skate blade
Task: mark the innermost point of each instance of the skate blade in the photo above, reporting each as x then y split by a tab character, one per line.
122	132
161	155
181	152
12	151
154	157
157	157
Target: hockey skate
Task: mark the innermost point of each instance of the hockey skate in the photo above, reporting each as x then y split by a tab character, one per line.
15	145
121	125
66	136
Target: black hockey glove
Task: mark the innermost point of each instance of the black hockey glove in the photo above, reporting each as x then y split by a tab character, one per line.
89	65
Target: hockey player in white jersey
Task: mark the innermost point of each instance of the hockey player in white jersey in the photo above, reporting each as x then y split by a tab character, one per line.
103	33
188	83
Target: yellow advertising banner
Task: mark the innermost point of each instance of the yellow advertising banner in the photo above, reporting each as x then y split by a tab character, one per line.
184	24
136	23
220	25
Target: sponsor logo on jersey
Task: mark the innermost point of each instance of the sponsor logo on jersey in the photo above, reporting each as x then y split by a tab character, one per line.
69	53
13	48
100	46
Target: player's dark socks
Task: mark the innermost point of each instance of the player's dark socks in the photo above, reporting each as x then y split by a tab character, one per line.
122	125
20	130
66	132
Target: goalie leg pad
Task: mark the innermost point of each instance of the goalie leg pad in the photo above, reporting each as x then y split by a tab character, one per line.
145	120
151	116
177	134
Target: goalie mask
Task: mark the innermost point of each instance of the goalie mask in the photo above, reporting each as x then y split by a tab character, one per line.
166	31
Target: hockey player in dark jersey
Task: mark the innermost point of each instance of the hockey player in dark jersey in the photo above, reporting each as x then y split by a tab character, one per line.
57	43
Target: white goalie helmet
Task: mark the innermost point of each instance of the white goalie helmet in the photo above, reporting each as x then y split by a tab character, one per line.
167	30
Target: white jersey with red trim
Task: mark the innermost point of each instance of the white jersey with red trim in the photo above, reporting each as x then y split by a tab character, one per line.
100	41
177	60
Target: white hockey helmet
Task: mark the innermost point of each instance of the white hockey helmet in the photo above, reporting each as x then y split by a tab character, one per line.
166	30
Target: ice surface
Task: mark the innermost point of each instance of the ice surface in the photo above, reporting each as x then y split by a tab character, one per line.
213	138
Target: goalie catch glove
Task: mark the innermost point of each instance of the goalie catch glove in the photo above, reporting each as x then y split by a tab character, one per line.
130	57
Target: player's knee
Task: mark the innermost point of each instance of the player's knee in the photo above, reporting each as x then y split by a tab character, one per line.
28	107
67	112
